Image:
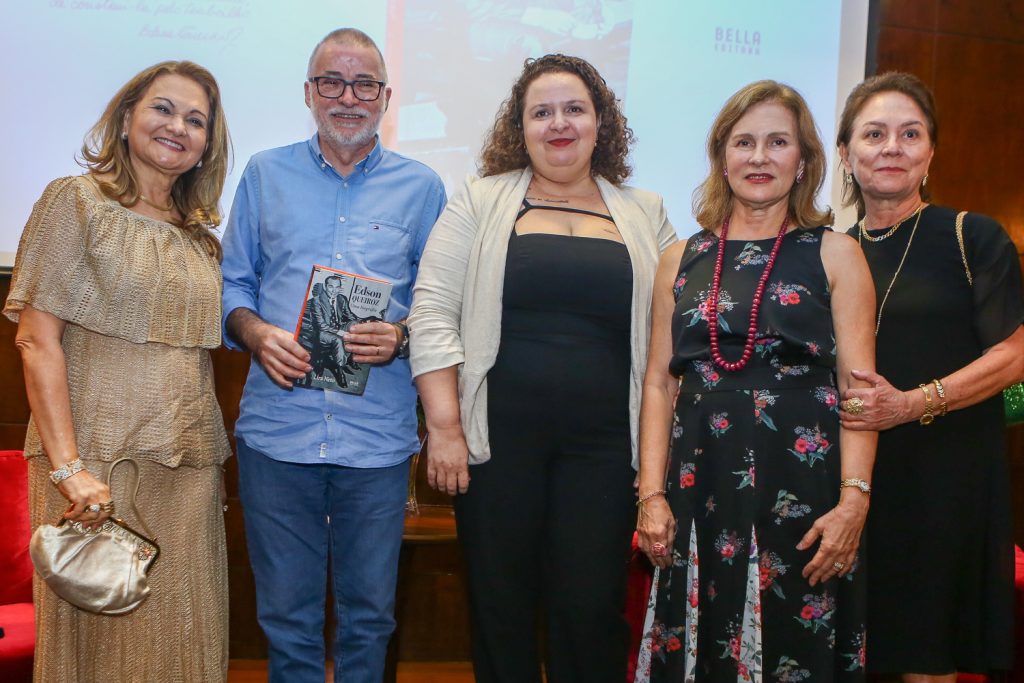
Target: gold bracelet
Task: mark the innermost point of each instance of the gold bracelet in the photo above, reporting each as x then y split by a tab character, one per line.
641	511
68	469
652	494
928	416
857	483
943	407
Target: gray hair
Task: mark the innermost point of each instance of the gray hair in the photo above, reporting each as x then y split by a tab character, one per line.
352	37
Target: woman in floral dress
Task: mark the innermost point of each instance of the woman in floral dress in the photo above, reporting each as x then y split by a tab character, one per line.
756	531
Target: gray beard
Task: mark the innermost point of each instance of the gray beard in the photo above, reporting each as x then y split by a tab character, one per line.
359	138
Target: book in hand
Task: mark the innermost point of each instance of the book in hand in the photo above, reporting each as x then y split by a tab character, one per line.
335	301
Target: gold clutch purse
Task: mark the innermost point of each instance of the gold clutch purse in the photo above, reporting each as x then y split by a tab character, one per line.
100	570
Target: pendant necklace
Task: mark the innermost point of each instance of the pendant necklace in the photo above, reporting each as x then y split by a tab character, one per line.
913	231
165	209
755	307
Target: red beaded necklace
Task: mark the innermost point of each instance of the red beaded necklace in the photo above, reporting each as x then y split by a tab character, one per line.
755	308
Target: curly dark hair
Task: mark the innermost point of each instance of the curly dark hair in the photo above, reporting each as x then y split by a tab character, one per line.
505	149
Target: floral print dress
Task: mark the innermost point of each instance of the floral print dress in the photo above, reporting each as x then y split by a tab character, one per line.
754	461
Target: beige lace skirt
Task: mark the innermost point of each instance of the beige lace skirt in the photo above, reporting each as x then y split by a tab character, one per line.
180	632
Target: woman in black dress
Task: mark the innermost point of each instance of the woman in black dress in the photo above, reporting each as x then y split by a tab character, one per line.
757	529
529	336
949	336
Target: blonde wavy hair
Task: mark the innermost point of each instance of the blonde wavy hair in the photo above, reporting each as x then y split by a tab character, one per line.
196	192
505	148
712	200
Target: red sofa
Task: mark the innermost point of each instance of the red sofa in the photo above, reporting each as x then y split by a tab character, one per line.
17	615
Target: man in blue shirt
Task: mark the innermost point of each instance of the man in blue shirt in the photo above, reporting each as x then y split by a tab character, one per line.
323	474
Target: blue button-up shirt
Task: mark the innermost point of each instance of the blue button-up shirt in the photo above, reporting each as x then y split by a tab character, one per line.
293	210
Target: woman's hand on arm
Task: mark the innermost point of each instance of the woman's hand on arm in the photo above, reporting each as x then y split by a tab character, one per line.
882	406
447	453
655	522
885	406
46	382
853	309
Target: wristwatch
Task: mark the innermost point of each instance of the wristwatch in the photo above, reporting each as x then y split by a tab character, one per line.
929	415
403	348
856	483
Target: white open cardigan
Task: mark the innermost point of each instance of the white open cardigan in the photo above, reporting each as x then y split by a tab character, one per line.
456	309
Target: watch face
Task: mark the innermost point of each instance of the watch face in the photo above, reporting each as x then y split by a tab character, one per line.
864	487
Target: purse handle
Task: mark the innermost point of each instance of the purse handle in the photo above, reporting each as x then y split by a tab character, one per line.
132	489
960	241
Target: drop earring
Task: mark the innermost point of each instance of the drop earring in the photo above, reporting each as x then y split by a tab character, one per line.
924	181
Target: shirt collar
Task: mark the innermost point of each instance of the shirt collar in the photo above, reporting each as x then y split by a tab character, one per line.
367	165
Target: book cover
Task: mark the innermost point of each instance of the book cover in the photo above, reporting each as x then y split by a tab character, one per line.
336	300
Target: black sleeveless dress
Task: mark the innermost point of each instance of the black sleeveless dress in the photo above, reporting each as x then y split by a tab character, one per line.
940	589
755	460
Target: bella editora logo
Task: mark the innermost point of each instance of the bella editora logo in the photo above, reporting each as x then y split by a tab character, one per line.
737	41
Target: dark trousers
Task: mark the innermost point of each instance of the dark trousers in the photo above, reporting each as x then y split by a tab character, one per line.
548	520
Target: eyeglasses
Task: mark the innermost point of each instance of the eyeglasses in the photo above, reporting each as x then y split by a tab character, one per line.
332	88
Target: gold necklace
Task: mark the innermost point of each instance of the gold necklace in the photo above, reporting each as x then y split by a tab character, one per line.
165	209
913	231
891	231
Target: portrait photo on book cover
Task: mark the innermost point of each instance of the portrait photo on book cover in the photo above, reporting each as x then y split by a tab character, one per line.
335	301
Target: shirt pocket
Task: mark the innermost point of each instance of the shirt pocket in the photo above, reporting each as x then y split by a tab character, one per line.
383	247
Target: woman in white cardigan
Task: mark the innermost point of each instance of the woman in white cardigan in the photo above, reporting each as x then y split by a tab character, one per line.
529	333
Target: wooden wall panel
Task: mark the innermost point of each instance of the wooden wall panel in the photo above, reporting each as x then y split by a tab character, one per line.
13	401
912	49
980	92
990	20
433	612
916	14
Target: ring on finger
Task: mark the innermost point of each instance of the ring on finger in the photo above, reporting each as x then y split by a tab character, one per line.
659	550
838	566
95	507
854	406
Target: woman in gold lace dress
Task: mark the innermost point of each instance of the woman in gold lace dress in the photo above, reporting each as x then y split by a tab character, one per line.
116	292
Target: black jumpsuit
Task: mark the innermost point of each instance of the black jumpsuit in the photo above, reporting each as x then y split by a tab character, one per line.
550	516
